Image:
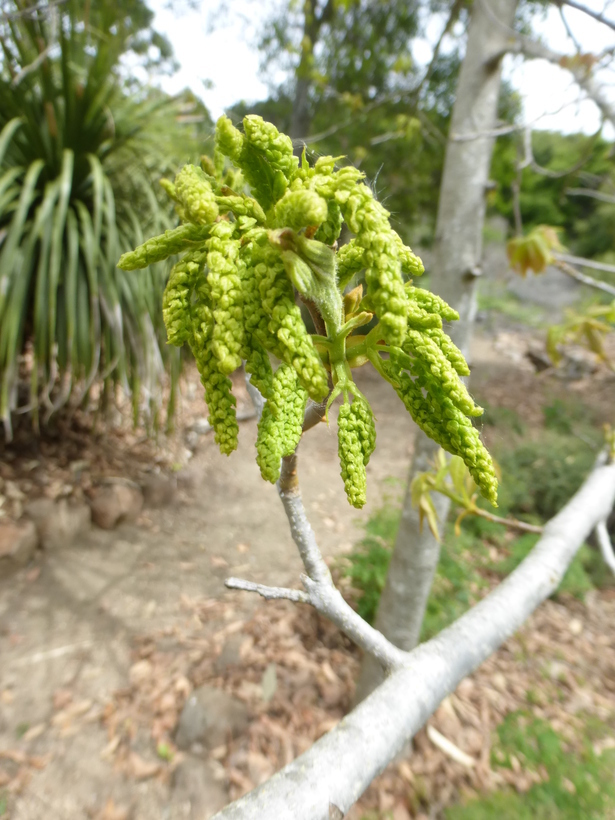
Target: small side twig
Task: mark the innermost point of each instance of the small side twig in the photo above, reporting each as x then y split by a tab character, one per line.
606	547
320	591
573	273
512	523
268	593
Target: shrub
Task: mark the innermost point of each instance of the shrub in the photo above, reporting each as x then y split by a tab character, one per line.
79	157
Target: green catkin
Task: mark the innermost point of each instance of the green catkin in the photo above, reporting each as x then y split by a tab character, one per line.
269	445
350	451
232	297
226	296
299	209
286	324
195	195
432	303
218	395
364	424
158	248
176	301
331	228
410	263
350	260
259	367
281	423
287	402
241	205
276	147
385	288
437	369
449	349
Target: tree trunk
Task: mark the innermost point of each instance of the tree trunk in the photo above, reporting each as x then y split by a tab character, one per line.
454	272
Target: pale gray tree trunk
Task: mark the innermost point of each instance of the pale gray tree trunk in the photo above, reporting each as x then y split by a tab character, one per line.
454	271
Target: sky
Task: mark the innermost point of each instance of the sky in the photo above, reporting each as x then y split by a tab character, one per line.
222	66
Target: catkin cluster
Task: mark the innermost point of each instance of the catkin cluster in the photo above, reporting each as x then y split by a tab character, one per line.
260	229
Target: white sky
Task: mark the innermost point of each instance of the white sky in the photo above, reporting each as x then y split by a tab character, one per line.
222	66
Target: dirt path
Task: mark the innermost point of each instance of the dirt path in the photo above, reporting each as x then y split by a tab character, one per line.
69	631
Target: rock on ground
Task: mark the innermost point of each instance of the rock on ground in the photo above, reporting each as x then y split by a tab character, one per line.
58	523
18	542
209	718
158	490
116	503
197	795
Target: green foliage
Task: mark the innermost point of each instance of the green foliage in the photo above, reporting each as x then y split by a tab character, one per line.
78	156
577	784
588	327
539	477
456	582
573	161
233	296
576	581
369	562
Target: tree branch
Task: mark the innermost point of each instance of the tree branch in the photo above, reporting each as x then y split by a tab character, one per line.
573	273
586	263
588	192
599	16
268	593
606	547
582	74
340	766
321	591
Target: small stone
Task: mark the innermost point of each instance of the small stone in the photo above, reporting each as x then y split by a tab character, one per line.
59	523
197	793
18	542
115	504
230	654
575	626
209	717
159	490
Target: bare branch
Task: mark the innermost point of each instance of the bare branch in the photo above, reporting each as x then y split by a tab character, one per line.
535	50
511	523
569	31
340	766
269	593
588	192
573	273
586	263
606	547
321	591
595	14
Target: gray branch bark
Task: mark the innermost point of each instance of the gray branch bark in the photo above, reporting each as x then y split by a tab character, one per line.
456	266
320	591
339	767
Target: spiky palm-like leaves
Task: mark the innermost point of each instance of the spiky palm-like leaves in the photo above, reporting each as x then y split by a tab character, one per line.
79	160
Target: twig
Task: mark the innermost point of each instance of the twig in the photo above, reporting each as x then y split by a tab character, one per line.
320	592
598	16
448	747
573	273
588	192
586	263
268	593
513	523
606	547
569	31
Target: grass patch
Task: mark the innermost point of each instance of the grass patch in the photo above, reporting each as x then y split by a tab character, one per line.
539	477
369	562
576	785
